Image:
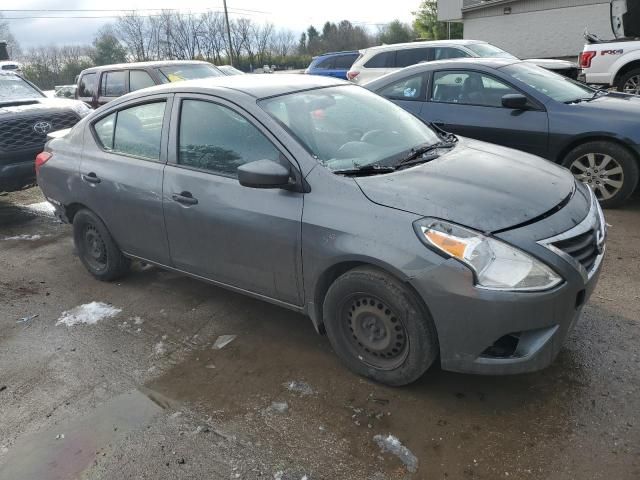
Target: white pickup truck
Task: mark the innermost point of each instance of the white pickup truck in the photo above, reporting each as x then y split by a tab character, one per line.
615	63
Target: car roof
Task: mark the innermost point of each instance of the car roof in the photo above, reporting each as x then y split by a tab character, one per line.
162	63
427	43
254	85
345	52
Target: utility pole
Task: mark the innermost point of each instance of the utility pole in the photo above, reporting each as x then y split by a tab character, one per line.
226	18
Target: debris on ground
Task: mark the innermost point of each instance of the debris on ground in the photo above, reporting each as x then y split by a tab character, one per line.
60	436
279	407
223	340
302	388
160	349
137	320
391	444
89	314
3	388
28	318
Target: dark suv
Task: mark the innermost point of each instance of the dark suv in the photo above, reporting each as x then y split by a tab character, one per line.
99	85
26	117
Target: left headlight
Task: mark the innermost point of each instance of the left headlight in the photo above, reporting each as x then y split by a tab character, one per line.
81	109
496	265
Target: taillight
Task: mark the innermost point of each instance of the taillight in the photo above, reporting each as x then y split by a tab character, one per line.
585	59
352	74
41	159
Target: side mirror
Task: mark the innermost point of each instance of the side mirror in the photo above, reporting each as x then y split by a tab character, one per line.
515	101
263	174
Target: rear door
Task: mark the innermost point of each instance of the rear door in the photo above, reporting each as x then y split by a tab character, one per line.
239	236
121	170
469	103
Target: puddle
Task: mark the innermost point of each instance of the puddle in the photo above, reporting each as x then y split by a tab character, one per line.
42	456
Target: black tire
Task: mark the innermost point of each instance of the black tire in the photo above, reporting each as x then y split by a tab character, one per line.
629	78
98	252
387	311
602	181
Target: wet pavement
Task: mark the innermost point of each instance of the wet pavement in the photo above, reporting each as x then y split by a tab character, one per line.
143	392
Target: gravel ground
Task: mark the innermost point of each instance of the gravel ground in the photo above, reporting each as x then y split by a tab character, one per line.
144	394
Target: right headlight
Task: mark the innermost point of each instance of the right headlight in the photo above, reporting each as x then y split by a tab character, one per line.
496	265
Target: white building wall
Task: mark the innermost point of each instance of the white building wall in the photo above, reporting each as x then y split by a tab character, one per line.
449	10
543	34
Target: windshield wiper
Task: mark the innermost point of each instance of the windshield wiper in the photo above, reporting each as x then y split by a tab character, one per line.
417	154
597	93
372	169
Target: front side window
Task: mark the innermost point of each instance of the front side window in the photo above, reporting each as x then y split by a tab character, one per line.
188	71
12	87
88	85
445	53
113	83
411	56
217	139
469	88
135	131
349	127
381	60
486	50
405	89
139	79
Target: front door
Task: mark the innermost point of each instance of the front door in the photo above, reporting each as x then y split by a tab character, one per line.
469	103
244	237
121	169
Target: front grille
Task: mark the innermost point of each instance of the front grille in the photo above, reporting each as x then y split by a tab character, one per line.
583	248
18	133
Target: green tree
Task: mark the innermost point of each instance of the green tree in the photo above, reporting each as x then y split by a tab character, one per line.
396	32
107	49
427	25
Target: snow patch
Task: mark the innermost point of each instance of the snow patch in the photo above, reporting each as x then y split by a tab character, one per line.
137	320
392	445
223	340
89	313
160	349
24	237
302	388
42	208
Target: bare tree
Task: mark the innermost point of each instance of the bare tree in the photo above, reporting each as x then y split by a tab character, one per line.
283	43
132	31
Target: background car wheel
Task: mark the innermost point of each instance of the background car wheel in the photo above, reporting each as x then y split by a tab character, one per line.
378	327
630	83
609	169
98	252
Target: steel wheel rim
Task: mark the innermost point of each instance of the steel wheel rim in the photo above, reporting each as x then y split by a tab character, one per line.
600	172
632	85
95	251
373	332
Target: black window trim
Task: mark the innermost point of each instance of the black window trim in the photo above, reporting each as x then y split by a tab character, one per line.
536	106
164	133
174	142
423	89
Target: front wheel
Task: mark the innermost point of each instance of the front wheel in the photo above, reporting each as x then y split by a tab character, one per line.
378	327
630	82
609	169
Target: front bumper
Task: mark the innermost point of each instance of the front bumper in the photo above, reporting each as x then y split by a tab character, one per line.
17	170
499	332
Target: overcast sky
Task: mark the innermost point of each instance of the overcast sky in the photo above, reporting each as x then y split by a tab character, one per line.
293	14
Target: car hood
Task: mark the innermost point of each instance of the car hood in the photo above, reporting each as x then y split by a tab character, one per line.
552	64
32	104
620	104
476	184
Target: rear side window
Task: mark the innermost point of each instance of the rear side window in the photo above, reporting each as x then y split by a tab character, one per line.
88	85
405	89
381	60
139	79
411	56
344	62
217	139
135	131
113	84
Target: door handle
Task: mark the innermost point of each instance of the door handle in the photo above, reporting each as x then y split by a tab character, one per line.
185	198
91	178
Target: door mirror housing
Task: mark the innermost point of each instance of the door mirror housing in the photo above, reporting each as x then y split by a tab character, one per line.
515	101
263	174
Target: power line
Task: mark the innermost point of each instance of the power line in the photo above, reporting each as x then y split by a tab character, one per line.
118	9
125	12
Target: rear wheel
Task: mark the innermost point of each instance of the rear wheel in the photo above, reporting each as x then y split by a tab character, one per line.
379	328
609	169
630	82
96	248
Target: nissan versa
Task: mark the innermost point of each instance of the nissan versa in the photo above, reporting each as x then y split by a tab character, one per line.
402	242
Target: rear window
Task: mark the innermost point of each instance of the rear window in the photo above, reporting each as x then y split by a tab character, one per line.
176	73
88	85
411	56
382	60
325	63
344	62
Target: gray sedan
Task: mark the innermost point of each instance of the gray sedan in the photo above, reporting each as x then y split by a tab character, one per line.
402	243
592	132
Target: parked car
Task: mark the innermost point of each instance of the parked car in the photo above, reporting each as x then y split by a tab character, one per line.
65	91
616	62
26	117
229	70
100	85
375	62
412	243
334	64
11	66
593	133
